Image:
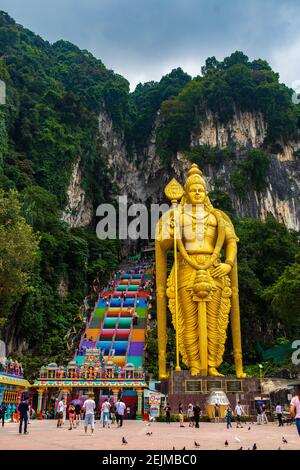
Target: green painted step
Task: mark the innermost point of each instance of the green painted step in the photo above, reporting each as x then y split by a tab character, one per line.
110	323
142	312
99	312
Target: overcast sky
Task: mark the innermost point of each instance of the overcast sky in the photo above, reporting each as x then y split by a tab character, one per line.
145	39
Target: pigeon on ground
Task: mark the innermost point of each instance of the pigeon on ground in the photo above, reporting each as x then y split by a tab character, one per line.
124	441
173	448
196	444
241	448
183	448
254	447
237	439
149	434
284	440
226	443
249	429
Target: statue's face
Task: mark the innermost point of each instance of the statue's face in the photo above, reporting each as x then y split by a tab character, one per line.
196	194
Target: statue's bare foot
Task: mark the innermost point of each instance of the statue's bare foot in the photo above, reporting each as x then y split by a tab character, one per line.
214	373
194	372
241	374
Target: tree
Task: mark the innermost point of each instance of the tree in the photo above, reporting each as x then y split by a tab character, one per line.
19	252
284	294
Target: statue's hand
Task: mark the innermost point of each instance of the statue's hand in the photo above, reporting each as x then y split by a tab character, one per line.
222	270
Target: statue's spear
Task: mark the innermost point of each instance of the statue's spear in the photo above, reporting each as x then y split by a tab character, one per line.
174	192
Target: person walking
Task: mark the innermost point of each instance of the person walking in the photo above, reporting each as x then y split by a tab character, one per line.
239	412
120	411
295	408
197	412
278	412
217	413
181	417
71	416
3	409
60	412
89	409
113	413
105	410
77	414
167	410
264	415
259	412
190	415
229	417
23	409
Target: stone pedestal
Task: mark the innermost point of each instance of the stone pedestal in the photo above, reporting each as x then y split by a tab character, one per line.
182	387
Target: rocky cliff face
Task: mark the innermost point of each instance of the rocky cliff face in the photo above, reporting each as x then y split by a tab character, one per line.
79	210
143	177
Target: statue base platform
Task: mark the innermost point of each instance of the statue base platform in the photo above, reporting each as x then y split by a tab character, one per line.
184	388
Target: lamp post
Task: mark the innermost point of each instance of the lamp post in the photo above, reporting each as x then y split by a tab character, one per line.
260	375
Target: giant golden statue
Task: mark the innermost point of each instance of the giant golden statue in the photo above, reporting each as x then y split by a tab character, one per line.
202	290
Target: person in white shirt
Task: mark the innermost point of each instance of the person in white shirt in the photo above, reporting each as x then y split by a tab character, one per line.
295	408
120	411
60	412
105	410
89	409
279	414
239	412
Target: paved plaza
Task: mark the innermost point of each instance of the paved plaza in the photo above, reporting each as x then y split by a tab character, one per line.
43	435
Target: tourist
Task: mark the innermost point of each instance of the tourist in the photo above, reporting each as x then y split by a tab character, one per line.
278	412
77	414
167	409
190	415
60	412
89	409
264	415
239	412
258	412
113	413
3	409
120	410
217	413
181	417
197	412
105	410
23	409
229	417
295	408
71	411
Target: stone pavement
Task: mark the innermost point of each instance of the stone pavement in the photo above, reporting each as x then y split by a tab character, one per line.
43	435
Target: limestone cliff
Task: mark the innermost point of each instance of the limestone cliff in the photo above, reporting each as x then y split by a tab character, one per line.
144	176
78	211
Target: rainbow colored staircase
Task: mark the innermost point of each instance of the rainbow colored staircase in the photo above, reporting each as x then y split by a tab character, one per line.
118	323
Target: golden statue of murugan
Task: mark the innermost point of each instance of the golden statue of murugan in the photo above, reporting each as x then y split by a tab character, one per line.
201	289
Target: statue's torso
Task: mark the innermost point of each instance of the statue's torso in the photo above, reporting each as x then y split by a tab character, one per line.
199	236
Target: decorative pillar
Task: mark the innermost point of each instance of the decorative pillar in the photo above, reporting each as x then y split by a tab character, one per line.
40	398
139	415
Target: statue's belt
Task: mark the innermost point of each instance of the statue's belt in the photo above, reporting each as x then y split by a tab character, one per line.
200	259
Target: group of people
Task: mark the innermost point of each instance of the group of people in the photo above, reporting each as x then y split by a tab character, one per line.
110	413
193	414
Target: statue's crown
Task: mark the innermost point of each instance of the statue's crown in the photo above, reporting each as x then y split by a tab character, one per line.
194	170
195	176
